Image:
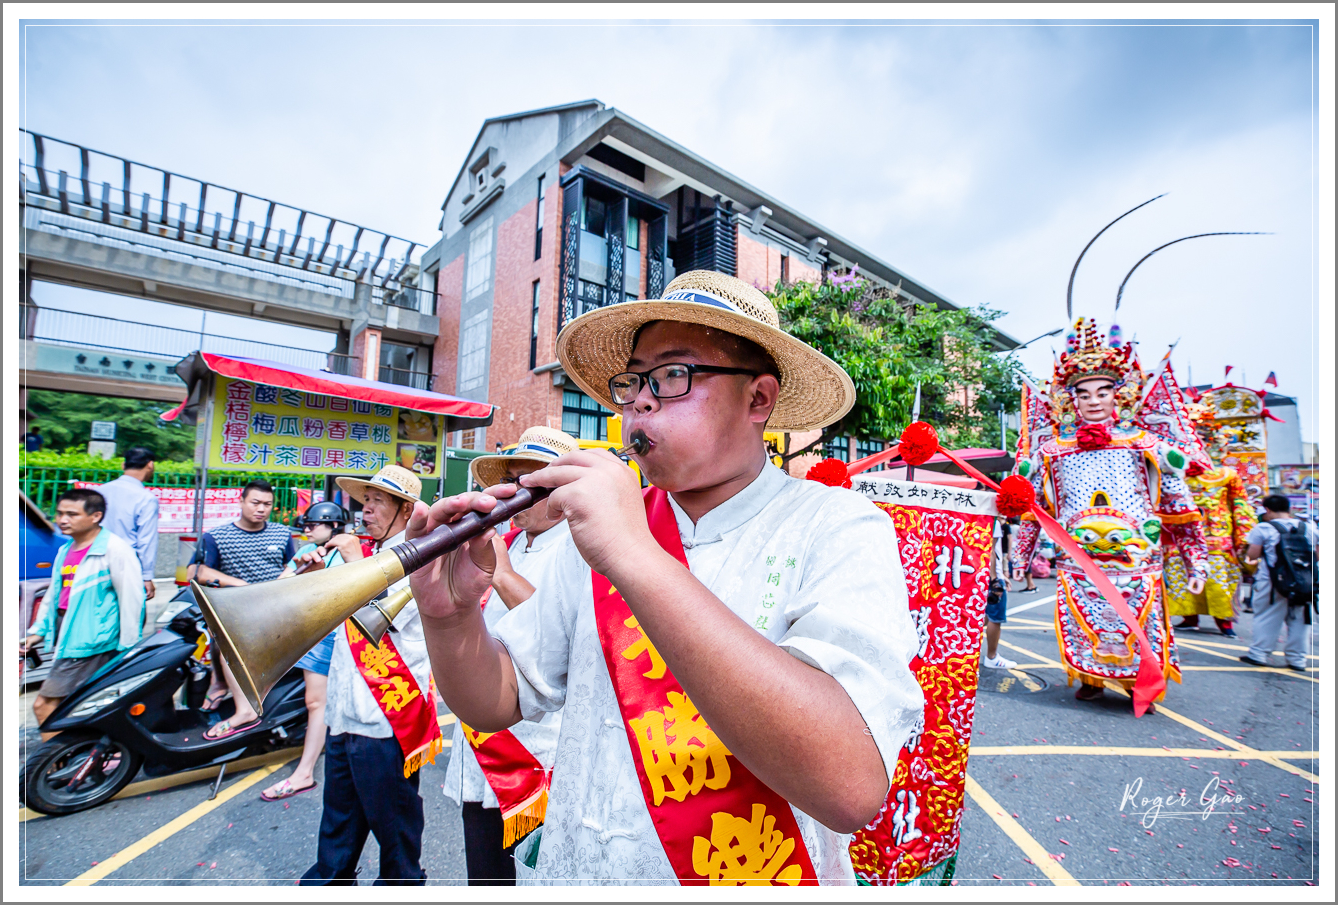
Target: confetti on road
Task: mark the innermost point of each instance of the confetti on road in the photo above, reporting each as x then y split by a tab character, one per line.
1065	841
996	876
1059	856
1180	845
1276	846
1231	862
1265	829
1116	850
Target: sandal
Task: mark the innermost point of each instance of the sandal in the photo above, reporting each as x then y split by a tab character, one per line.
216	698
281	790
228	729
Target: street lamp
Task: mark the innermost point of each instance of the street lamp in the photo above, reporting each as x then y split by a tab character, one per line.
1053	332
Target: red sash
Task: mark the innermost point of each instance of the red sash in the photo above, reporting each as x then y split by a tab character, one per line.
412	715
515	776
717	822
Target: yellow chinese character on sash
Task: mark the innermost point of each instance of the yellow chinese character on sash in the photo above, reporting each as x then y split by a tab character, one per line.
397	693
740	851
643	646
474	737
378	661
677	745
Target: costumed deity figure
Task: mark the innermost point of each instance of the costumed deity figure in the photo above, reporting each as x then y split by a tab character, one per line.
1224	501
1116	484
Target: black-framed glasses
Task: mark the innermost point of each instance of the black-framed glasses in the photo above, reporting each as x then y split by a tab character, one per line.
666	381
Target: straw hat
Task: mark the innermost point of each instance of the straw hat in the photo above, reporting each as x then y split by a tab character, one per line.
814	390
393	479
539	445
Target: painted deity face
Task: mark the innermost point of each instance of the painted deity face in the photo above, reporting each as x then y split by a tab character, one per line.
1115	542
1095	398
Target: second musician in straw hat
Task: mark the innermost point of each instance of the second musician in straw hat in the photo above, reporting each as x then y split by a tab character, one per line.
500	779
380	712
731	647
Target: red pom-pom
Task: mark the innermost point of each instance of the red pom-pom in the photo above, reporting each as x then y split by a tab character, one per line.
831	472
1015	496
1195	469
1093	436
919	442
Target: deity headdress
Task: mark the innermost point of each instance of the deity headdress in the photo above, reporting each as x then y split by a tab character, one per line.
1090	354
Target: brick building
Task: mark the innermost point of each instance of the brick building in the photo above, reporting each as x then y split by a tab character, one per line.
561	210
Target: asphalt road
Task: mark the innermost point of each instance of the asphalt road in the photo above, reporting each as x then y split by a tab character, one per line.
1252	731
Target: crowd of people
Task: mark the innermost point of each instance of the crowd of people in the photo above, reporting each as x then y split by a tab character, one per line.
634	693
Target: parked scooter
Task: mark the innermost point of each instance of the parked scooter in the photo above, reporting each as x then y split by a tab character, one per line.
142	709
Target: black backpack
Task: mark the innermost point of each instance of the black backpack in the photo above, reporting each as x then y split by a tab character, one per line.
1293	575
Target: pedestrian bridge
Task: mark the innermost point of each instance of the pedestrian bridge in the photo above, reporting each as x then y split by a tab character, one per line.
106	223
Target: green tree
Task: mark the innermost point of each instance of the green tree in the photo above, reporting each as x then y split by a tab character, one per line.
66	419
888	345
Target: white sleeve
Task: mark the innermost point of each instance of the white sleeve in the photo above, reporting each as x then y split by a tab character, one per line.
850	618
537	633
123	563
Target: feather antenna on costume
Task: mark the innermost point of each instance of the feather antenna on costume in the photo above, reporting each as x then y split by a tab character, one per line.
1074	273
1120	293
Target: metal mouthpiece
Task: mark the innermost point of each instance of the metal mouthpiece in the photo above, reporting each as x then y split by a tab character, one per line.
637	443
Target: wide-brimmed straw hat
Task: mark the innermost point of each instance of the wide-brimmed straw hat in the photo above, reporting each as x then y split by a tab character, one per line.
814	390
539	445
393	479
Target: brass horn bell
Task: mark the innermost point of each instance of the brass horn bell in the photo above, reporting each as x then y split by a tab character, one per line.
262	630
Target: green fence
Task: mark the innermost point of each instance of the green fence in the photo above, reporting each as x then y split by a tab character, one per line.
44	485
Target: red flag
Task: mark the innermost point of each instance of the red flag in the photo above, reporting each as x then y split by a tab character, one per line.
1228	372
1272	379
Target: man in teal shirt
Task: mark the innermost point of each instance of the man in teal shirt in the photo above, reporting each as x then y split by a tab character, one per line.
94	608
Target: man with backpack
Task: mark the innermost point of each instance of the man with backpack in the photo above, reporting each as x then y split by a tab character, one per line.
1282	549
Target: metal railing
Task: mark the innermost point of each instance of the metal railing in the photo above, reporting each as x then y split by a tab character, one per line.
411	297
345	365
93	331
45	484
405	378
131	198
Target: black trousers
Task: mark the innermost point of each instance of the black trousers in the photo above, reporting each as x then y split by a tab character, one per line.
365	790
486	861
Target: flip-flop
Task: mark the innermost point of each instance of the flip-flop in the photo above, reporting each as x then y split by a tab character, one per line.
287	791
216	698
231	730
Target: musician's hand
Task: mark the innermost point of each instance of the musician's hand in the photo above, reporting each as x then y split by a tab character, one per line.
313	561
456	581
1019	574
348	545
601	499
1195	585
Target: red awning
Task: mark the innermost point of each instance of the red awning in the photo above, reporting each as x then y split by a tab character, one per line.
465	412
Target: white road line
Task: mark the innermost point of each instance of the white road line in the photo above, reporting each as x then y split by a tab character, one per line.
1031	606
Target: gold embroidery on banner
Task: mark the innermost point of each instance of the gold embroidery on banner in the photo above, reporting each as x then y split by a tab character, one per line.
643	646
742	851
677	745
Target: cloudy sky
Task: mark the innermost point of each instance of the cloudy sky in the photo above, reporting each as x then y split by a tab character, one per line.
978	158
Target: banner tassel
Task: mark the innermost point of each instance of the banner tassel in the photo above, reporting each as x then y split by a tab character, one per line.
520	823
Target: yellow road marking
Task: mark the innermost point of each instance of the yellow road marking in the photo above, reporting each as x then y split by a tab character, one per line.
1226	646
172	780
1291	674
1163	710
1193	645
1024	840
166	831
1140	752
447	720
1040	658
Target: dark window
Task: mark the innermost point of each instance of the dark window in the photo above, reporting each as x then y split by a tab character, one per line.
785	269
534	328
592	219
633	232
837	448
539	223
583	417
867	448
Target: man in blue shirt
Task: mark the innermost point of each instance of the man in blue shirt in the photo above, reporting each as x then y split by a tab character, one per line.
132	511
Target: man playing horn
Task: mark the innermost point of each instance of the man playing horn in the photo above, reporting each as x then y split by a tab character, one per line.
1117	489
731	648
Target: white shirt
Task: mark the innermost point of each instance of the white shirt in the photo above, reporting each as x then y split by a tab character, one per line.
813	568
464	777
350	705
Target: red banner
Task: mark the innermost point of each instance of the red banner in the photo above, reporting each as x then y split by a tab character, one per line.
717	822
945	553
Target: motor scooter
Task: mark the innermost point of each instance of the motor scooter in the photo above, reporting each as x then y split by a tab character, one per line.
142	710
